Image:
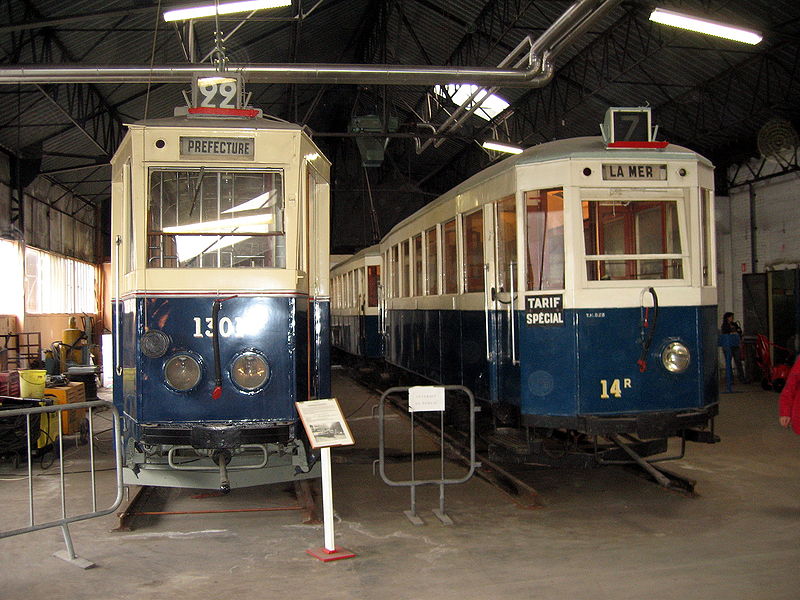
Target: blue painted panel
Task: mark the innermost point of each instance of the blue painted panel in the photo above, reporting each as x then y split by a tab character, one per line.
275	326
610	346
322	344
433	345
548	368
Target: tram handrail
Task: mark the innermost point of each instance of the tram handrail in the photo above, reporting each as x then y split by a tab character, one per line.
65	520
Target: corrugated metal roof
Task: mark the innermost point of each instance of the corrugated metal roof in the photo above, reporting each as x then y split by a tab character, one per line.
707	94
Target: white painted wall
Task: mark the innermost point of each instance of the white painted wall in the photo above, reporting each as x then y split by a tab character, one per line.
777	234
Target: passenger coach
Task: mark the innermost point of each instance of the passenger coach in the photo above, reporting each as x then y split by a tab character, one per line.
220	228
571	287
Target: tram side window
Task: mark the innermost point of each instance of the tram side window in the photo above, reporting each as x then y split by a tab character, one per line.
417	265
473	252
395	252
449	258
707	235
432	282
373	281
544	224
405	267
208	218
506	237
632	240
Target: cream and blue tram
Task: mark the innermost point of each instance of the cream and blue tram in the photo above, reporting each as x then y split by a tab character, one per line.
220	235
571	287
355	297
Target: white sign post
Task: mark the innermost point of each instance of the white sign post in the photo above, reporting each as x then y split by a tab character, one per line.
326	427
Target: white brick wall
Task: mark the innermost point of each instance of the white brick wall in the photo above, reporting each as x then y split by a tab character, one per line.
777	235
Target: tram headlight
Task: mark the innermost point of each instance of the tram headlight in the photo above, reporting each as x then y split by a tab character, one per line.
249	371
676	357
182	372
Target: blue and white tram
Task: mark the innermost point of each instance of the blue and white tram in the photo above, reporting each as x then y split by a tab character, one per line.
572	288
220	229
355	291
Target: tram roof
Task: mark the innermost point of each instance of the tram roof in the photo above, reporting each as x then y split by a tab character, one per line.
217	123
580	147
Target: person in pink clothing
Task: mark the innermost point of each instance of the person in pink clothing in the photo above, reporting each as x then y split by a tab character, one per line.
789	404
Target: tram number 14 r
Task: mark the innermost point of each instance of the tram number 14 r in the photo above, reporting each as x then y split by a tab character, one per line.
617	385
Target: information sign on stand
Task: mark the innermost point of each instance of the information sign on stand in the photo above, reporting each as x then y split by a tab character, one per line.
326	427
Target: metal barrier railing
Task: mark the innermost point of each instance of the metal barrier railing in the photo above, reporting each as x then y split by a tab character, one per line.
442	481
69	554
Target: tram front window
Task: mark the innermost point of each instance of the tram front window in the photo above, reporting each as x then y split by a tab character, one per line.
212	218
632	240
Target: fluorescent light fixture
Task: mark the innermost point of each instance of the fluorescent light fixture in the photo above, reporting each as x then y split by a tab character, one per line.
501	147
729	32
209	10
489	105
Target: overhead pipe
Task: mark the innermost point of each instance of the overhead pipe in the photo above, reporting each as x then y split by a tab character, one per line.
533	75
572	23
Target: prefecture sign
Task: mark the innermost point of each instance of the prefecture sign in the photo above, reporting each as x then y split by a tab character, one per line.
219	148
634	172
544	311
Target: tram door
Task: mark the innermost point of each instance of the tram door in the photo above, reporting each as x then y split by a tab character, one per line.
501	296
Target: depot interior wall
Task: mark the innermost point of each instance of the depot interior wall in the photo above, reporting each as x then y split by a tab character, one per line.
772	235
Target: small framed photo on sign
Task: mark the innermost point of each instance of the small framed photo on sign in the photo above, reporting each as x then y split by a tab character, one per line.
324	423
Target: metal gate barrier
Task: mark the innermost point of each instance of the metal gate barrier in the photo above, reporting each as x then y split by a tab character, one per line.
442	481
68	554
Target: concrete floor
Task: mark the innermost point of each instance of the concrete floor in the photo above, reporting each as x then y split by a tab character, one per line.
603	533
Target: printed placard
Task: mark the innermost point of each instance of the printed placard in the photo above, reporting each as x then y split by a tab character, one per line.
544	311
324	423
423	398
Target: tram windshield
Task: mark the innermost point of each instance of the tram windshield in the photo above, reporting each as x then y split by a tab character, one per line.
632	239
213	218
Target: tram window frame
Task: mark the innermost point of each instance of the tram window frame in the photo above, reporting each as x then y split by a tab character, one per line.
633	260
707	236
271	253
395	264
432	261
505	241
544	262
417	279
405	266
473	230
450	257
373	283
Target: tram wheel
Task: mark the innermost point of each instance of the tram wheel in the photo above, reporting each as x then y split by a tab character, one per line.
778	384
765	384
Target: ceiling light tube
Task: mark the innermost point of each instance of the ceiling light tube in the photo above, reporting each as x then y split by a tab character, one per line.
715	28
501	147
209	10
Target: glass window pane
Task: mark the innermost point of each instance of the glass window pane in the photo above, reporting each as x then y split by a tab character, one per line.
395	272
613	228
418	265
206	218
545	244
506	241
373	280
450	258
405	268
473	252
432	282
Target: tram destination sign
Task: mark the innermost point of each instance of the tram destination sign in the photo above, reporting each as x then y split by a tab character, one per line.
627	172
218	148
544	311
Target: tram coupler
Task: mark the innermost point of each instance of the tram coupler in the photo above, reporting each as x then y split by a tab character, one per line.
222	458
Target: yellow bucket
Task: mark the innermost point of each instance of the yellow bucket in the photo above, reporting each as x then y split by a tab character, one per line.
31	383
